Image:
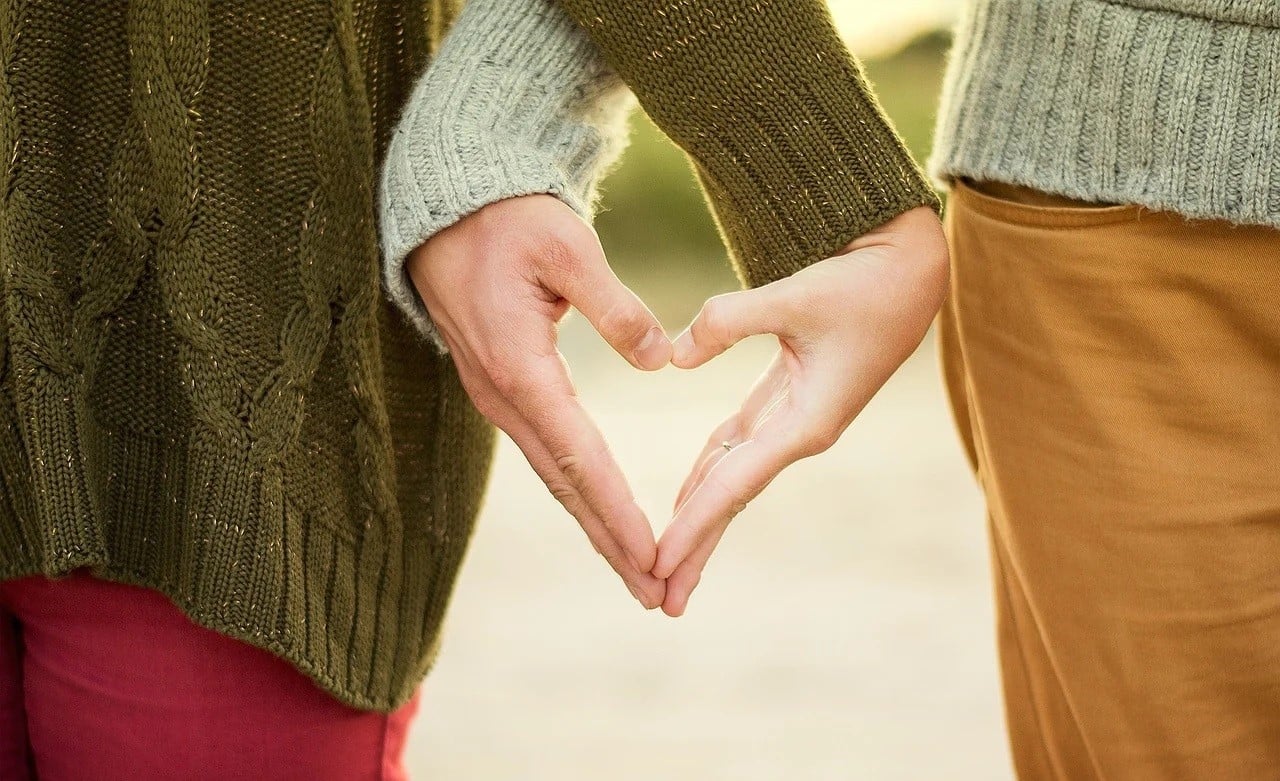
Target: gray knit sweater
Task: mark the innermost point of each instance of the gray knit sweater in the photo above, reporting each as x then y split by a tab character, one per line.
1172	104
518	101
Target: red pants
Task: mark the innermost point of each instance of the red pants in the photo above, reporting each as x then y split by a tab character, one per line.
109	681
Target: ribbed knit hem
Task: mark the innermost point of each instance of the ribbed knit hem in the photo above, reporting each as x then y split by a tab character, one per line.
1105	101
786	135
231	543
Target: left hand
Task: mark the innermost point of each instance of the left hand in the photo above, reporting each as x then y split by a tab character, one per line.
844	325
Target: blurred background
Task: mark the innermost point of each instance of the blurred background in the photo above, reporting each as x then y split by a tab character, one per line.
844	628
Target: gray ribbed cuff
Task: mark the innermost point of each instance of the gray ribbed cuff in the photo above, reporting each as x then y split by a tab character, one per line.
517	102
1107	101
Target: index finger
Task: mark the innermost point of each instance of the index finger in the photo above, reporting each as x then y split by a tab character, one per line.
550	406
724	491
643	586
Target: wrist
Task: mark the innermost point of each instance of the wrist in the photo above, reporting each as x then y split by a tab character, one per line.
517	102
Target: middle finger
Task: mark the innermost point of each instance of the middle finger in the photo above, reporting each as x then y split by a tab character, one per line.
646	588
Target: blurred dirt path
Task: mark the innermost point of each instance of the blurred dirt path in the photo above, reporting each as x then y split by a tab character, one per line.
843	631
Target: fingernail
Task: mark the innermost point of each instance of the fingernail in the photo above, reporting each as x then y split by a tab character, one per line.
653	348
683	347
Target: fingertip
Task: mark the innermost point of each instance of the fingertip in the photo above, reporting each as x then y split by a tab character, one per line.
647	562
680	589
648	595
658	595
654	351
658	599
673	548
676	603
682	349
662	569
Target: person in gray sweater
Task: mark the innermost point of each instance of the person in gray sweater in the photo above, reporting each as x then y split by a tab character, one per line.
1109	346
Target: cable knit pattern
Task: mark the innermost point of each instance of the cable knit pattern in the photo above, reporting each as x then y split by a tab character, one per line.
203	389
517	102
1172	104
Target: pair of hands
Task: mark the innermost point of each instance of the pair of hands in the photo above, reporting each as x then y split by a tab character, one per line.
497	283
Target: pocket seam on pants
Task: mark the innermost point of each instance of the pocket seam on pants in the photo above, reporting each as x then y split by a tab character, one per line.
1050	217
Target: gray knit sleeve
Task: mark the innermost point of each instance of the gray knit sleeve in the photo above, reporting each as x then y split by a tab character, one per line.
518	101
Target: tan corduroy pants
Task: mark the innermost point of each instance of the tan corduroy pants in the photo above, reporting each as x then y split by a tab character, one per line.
1115	374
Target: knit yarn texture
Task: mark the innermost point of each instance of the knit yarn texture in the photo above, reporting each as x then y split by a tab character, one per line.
1172	104
518	101
785	134
204	389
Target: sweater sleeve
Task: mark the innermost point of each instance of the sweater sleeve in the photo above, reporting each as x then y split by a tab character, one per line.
791	147
517	102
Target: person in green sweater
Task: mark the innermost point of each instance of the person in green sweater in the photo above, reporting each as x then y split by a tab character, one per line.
238	479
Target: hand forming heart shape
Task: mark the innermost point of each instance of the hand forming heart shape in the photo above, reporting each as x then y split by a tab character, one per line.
497	283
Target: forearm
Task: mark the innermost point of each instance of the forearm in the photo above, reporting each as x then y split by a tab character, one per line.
518	101
794	152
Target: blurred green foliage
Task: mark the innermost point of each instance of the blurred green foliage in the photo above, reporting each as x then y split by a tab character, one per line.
654	222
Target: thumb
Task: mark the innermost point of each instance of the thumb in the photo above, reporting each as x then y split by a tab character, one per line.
726	320
613	309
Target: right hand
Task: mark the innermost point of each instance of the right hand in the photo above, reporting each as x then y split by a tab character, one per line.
496	284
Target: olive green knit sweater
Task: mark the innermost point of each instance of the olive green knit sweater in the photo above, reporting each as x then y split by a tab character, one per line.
203	389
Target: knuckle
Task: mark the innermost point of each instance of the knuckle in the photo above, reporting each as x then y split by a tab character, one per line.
569	463
738	496
565	495
625	321
615	559
715	320
507	383
488	361
485	404
824	440
511	379
818	439
560	248
574	467
556	253
584	468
